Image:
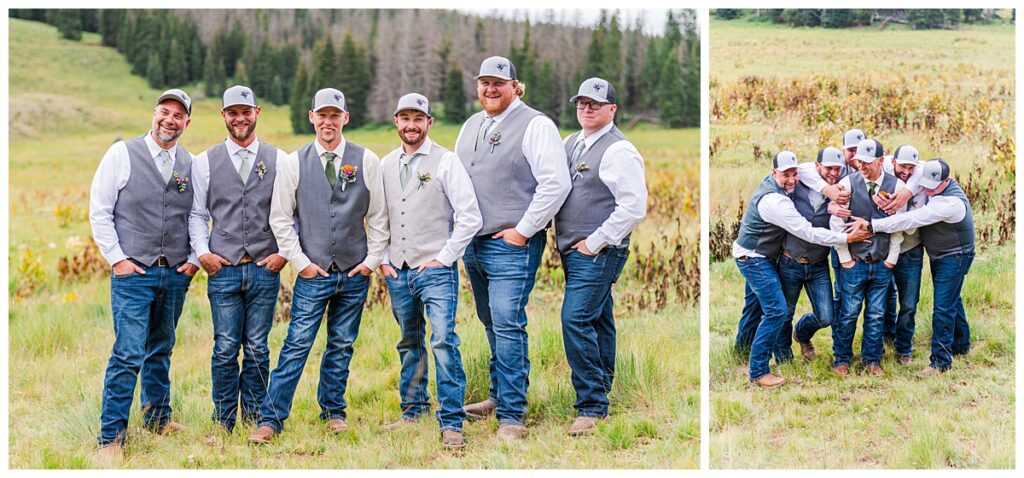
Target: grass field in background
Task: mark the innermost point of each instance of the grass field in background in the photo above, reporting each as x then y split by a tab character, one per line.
962	419
70	101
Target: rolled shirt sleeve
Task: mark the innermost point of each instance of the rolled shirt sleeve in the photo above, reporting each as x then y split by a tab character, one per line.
779	210
938	209
622	171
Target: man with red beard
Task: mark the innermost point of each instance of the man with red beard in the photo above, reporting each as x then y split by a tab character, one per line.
138	209
515	158
433	214
233	182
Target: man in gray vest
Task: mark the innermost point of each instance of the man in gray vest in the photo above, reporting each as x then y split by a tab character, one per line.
946	227
866	267
516	161
804	265
323	193
233	182
433	214
770	215
139	203
607	201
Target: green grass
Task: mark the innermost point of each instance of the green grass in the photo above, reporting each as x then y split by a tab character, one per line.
962	419
60	333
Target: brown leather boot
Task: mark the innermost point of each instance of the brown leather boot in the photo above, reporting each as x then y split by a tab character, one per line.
842	370
170	428
452	439
337	425
875	370
263	434
806	348
583	426
511	432
480	410
768	381
905	359
929	372
110	454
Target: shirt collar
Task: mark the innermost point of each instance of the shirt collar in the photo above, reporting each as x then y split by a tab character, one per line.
504	114
320	149
234	148
590	140
424	148
154	149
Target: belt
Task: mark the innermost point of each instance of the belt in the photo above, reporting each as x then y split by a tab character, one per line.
866	260
161	262
334	268
244	260
802	260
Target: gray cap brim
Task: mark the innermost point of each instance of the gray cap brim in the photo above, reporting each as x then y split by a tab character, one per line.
928	183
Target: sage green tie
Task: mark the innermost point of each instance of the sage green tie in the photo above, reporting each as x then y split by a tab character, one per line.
243	169
576	153
483	132
406	174
329	169
871	188
165	165
818	201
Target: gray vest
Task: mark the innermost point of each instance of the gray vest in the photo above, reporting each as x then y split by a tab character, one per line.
151	216
799	248
861	205
756	234
942	238
503	180
330	222
421	215
590	202
241	212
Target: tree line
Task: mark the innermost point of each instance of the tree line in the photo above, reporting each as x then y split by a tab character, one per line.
919	19
374	56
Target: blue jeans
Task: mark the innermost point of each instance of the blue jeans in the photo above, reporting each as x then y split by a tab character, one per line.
904	293
588	325
951	334
436	292
242	300
863	284
815	279
502	276
764	311
146	308
342	297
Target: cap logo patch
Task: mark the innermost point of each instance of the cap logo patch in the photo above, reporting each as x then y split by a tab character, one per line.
597	87
185	96
419	101
501	66
337	97
244	93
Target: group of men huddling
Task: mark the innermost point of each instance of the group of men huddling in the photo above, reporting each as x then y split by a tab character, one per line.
873	216
243	209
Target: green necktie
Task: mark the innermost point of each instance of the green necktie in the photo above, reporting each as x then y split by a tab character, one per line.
165	165
818	201
243	169
871	188
483	132
576	153
406	174
329	170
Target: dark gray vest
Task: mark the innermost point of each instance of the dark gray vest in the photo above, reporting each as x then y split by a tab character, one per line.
861	205
241	212
799	248
503	179
942	238
330	222
756	234
151	216
590	202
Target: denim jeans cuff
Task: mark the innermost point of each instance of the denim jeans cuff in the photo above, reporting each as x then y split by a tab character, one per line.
592	414
275	426
452	428
512	421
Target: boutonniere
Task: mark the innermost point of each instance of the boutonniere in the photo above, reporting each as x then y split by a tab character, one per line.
494	140
347	175
579	170
261	170
181	180
423	177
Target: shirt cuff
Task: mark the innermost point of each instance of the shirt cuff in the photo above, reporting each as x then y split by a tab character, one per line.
115	256
844	255
596	242
372	262
446	257
300	262
526	230
202	249
192	259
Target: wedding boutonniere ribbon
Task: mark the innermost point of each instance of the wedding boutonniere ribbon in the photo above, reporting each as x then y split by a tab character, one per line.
423	177
261	170
494	140
347	174
579	170
182	181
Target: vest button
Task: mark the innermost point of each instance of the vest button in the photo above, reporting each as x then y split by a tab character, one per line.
403	213
403	200
332	243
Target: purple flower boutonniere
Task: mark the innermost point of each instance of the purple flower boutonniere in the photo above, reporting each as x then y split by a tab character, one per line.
347	174
579	171
494	140
261	170
423	177
181	180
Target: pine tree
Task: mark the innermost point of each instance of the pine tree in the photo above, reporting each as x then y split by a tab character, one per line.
444	54
302	96
691	88
277	91
213	77
176	73
651	76
671	98
613	53
455	110
323	73
110	26
155	71
541	96
593	63
355	80
69	24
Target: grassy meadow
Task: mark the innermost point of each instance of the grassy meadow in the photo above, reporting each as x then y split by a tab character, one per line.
69	101
950	94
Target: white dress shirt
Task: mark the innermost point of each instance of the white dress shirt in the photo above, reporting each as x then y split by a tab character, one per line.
939	209
199	219
542	146
458	188
779	210
111	177
839	224
282	206
622	171
911	238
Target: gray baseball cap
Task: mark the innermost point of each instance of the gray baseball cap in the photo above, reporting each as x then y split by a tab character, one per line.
499	67
329	98
414	101
784	160
935	172
852	138
830	156
238	95
596	89
869	150
179	96
906	154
